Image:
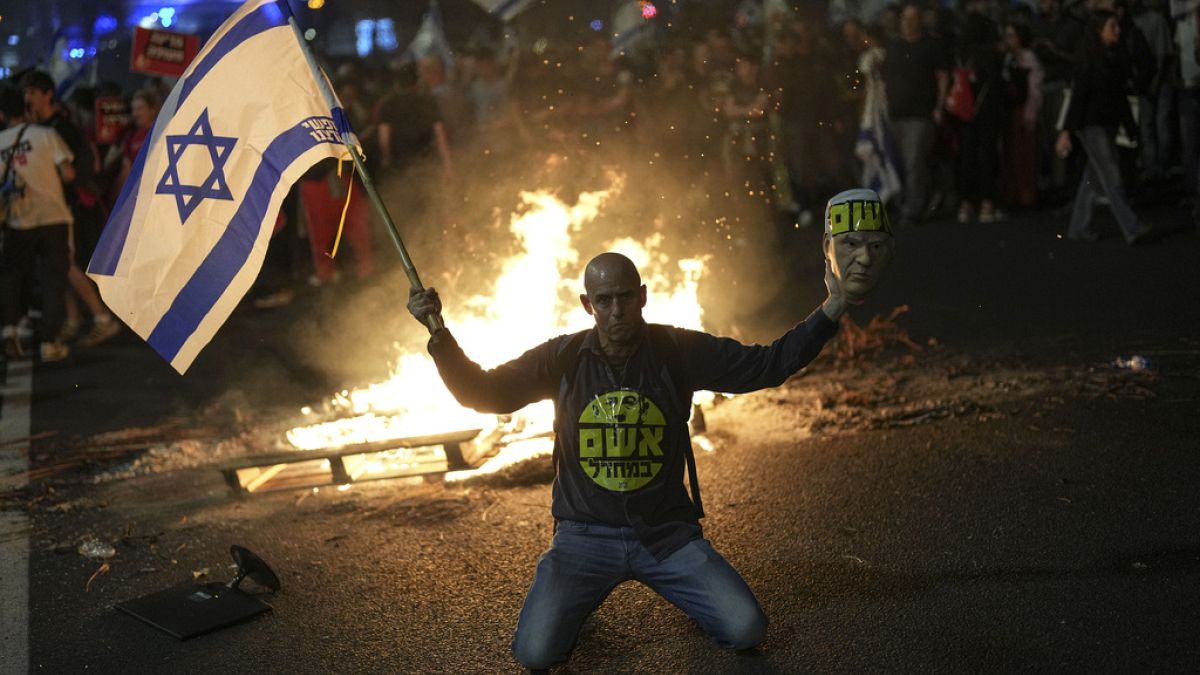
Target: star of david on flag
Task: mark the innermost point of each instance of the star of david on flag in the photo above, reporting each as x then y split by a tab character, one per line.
213	186
189	231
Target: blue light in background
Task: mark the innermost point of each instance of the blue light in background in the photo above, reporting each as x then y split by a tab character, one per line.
596	25
364	32
76	53
385	35
13	40
165	17
105	24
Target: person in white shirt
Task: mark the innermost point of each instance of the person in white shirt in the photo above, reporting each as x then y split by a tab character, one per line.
35	162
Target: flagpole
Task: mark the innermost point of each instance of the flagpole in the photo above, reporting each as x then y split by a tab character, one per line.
433	321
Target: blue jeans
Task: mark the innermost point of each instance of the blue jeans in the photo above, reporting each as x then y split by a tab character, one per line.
586	561
915	136
1102	174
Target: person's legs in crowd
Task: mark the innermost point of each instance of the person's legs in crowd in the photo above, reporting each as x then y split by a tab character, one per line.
52	249
1055	169
16	266
914	136
1019	163
322	218
989	162
358	233
74	316
85	235
1149	144
1080	228
943	169
1166	113
104	325
1104	170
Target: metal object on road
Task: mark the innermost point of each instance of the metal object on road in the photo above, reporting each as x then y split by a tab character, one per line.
402	457
188	610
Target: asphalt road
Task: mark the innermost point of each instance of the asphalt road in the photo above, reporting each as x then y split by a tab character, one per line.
1053	527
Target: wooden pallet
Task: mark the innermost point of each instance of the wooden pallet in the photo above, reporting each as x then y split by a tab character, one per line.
401	457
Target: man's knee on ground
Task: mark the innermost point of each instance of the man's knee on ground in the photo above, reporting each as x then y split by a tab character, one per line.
534	652
746	630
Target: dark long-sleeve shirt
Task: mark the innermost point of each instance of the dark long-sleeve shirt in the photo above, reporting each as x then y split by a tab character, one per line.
1098	95
621	442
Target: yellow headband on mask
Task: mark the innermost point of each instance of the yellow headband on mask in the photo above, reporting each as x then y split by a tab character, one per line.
857	210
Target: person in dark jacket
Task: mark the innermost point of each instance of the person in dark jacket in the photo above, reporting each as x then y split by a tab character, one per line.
622	393
979	152
1099	107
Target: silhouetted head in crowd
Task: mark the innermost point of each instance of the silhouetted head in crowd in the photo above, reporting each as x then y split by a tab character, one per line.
144	107
404	75
911	28
1103	32
1017	36
39	95
12	105
431	72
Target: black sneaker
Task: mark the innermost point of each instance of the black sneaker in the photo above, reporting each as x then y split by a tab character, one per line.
1144	235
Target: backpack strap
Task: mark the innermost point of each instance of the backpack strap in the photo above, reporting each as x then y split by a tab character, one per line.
666	348
567	363
15	147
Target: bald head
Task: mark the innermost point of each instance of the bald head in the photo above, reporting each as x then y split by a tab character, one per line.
610	268
614	296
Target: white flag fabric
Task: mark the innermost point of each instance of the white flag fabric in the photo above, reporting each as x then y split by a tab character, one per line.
189	232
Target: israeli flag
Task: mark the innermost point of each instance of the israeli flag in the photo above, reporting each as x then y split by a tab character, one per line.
190	229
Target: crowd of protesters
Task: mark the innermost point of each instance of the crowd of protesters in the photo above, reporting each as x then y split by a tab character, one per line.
974	112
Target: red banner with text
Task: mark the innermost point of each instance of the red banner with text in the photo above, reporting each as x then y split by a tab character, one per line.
112	117
162	52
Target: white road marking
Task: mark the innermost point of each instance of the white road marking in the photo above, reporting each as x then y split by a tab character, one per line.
15	404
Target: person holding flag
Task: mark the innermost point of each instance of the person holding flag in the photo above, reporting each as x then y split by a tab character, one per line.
622	394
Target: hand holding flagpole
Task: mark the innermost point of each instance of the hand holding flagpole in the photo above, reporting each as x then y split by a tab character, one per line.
433	321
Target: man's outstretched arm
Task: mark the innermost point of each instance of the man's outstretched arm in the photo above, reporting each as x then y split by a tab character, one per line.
501	390
724	364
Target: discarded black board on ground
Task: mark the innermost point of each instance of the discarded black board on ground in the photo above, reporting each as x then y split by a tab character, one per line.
188	610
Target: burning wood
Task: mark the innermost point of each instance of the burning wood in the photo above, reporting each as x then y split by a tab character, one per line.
855	343
341	466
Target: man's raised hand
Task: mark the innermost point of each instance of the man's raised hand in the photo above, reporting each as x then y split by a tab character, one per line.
835	305
423	303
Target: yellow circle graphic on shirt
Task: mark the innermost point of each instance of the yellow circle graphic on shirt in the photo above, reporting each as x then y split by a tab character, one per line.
620	440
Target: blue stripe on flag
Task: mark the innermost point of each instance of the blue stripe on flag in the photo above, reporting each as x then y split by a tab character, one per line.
264	18
341	122
229	255
112	238
116	231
